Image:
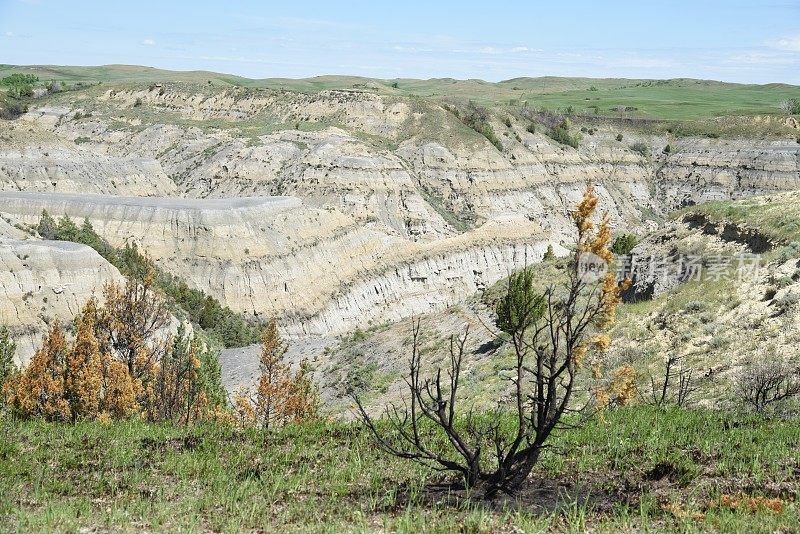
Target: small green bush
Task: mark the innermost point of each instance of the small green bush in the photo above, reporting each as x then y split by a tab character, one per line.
13	109
641	149
561	135
477	118
19	79
695	306
623	244
619	137
791	106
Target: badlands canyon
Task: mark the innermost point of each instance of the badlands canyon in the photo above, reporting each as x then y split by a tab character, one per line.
336	209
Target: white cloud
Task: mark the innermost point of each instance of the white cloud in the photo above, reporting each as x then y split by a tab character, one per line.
148	42
791	44
496	50
412	49
9	34
761	58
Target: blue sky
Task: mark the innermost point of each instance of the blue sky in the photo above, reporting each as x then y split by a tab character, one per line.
743	41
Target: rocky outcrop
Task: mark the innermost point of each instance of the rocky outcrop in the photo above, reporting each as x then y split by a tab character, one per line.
409	166
424	286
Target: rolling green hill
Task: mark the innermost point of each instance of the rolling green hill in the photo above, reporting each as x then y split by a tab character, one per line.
676	99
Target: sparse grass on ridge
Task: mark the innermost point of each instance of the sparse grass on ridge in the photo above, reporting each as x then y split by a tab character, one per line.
775	216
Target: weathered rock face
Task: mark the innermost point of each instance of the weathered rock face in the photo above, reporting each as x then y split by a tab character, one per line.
316	268
417	287
705	169
410	166
46	281
62	170
389	207
34	159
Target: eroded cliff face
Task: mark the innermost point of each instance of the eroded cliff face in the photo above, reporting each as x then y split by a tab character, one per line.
388	207
713	169
46	281
409	165
273	256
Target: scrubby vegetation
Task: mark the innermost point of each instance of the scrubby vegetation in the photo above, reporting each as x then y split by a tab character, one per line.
775	216
125	364
7	352
560	133
641	148
553	335
219	322
790	106
281	396
11	109
119	365
623	244
19	85
477	118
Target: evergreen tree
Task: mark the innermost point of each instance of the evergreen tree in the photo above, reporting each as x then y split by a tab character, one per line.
84	370
273	383
39	390
623	244
47	226
67	230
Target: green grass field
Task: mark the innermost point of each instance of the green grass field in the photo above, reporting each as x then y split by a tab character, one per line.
674	101
640	469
